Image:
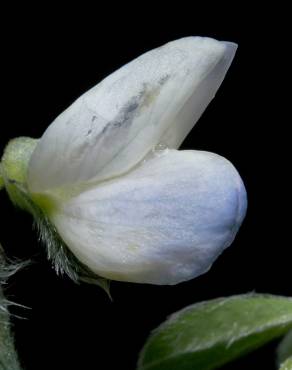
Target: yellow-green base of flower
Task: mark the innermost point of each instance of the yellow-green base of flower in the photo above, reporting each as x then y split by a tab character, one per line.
13	176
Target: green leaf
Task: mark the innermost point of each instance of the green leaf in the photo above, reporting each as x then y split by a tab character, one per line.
287	365
285	352
210	334
1	178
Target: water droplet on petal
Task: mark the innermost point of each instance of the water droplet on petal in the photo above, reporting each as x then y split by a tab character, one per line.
160	149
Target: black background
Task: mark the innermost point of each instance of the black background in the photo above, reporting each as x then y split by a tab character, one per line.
47	65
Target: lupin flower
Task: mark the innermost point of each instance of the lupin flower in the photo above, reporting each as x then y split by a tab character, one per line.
108	180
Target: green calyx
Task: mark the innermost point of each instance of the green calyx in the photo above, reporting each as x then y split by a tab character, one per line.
16	158
13	177
14	164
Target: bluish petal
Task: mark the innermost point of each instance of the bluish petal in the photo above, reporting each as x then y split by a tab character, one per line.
163	223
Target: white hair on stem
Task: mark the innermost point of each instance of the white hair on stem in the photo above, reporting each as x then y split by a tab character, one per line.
8	356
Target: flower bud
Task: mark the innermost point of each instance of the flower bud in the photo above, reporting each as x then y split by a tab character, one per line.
112	185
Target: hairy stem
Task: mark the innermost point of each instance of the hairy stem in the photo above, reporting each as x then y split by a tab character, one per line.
8	355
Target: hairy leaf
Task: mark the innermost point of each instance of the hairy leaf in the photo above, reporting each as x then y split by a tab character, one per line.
207	335
285	352
287	365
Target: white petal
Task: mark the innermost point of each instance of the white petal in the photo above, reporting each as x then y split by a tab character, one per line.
156	98
163	223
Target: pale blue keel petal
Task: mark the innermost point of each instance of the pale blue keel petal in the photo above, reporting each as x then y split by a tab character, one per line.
156	98
163	223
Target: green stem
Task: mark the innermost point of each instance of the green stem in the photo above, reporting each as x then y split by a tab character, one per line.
8	355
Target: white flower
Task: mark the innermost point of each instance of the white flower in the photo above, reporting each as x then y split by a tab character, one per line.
126	202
